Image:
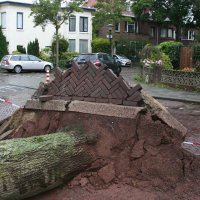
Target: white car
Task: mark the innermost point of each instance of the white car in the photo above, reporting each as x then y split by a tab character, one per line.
20	62
123	60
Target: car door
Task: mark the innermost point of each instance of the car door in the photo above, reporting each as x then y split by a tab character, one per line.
108	61
24	62
36	63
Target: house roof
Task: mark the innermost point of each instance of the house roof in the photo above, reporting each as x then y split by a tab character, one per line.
17	2
30	2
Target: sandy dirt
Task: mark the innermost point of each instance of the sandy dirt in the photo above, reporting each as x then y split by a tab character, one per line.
129	189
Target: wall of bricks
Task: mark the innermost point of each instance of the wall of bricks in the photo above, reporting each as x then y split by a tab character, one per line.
89	83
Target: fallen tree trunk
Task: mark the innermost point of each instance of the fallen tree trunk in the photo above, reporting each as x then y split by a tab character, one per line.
29	166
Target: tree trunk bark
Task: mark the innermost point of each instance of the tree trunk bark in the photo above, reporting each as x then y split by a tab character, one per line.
57	48
29	166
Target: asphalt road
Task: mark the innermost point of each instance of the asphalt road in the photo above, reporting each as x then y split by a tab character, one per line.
15	89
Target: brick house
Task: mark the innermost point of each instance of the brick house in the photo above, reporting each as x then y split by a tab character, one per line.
148	31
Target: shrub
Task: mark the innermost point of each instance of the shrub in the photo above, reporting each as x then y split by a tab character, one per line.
3	45
196	53
131	49
167	64
172	49
197	66
33	48
65	59
68	55
45	54
152	56
63	46
100	45
21	49
150	52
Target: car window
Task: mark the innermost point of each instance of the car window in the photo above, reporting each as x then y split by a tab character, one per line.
34	58
100	57
110	58
83	58
105	57
24	58
92	57
15	58
4	58
122	57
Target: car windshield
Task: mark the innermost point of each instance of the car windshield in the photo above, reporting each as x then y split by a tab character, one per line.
110	58
122	57
85	57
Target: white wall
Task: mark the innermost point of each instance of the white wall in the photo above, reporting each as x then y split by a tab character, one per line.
29	33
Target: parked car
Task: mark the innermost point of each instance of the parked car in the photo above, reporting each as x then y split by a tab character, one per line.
20	62
124	61
98	59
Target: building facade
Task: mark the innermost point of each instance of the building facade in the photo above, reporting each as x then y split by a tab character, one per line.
18	27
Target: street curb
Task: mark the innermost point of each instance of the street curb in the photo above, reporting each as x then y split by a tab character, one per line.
177	99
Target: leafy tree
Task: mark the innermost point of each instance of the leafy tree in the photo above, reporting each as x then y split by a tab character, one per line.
63	46
109	12
50	11
21	49
3	45
196	13
178	12
33	48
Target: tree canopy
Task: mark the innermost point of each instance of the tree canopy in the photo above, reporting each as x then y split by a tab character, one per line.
177	12
3	45
108	12
55	12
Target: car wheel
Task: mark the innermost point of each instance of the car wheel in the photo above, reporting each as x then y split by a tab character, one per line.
18	69
47	68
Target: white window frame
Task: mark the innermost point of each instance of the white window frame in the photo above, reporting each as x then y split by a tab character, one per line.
3	20
85	49
72	27
20	21
163	32
170	35
152	31
127	25
83	24
190	35
72	48
117	27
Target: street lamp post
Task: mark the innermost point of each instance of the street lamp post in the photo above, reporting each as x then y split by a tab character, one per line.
109	36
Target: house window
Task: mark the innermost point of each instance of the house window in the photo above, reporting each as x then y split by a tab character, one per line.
19	20
72	45
130	28
152	31
174	34
83	24
163	33
170	33
72	24
83	46
190	35
117	27
3	20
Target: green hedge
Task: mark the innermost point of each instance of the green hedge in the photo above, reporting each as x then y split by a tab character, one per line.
172	49
3	45
100	45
